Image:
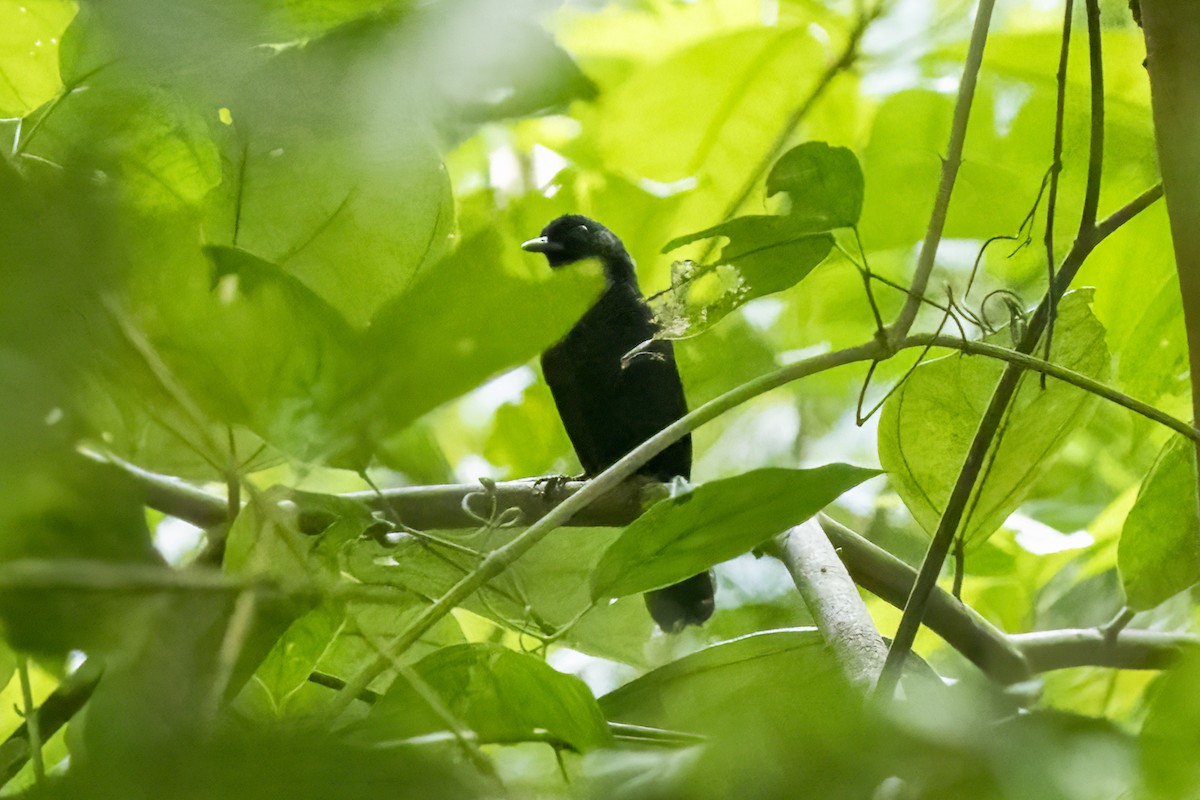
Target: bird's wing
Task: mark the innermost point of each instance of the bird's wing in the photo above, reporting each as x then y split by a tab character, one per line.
562	376
653	396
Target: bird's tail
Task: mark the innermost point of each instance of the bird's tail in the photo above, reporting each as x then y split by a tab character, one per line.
689	602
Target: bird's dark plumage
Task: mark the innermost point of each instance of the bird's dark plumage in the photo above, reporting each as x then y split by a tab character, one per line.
611	403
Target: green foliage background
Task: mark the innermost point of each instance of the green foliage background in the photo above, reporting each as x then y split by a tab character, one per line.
275	245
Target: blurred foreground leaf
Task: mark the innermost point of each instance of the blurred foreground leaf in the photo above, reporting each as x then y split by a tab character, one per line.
502	695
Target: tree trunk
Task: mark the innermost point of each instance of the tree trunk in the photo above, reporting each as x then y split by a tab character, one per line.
1172	30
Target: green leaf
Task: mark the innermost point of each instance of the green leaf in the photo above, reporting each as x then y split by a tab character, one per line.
771	253
502	695
155	149
824	184
716	521
29	52
323	204
775	700
1159	553
928	424
285	670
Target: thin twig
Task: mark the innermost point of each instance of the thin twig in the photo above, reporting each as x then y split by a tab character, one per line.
1056	161
950	164
1091	192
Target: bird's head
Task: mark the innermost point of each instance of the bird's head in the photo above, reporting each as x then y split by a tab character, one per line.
572	238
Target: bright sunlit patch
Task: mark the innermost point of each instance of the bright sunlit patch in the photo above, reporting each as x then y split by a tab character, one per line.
660	189
506	388
763	313
504	170
947	84
473	467
600	674
75	659
546	165
225	115
176	539
1040	539
1008	102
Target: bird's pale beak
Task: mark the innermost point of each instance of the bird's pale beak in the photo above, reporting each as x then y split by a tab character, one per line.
541	245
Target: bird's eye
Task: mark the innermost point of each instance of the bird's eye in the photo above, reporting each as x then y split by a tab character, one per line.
582	229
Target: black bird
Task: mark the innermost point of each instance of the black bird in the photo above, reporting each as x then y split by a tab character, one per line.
610	403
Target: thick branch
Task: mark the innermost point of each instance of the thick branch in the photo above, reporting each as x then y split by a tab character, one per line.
1131	649
891	580
834	602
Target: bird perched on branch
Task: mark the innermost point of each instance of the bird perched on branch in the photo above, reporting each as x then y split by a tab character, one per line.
611	400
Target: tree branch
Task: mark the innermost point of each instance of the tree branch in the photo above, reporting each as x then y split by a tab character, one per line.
833	599
891	580
1063	374
1130	649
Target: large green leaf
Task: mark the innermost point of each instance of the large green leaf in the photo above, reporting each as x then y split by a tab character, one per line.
824	185
927	426
716	521
1159	554
693	692
485	308
502	695
769	253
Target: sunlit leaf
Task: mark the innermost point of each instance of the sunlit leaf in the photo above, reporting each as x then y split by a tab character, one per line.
927	426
